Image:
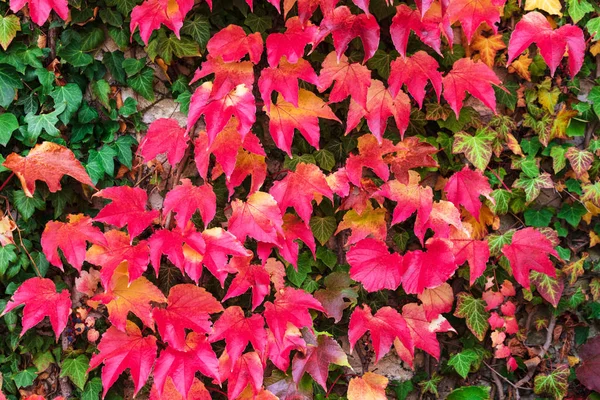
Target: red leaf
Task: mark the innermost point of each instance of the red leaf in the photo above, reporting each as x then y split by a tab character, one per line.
259	218
125	350
465	187
468	76
220	244
40	10
588	371
385	326
71	238
535	28
345	26
372	265
429	269
337	295
186	198
227	75
291	43
181	366
149	15
197	392
41	299
475	252
247	370
47	162
380	106
299	188
248	276
188	307
284	79
164	136
294	229
128	207
409	198
370	155
411	153
284	117
348	79
217	111
529	250
232	44
415	71
238	331
472	13
437	301
443	215
290	307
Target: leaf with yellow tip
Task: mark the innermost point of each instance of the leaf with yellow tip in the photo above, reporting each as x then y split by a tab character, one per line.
370	386
550	6
370	222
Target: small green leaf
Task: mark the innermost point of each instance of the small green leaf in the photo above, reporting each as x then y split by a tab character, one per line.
25	378
463	361
470	393
555	383
9	26
198	28
473	310
578	9
532	186
123	147
143	83
92	389
477	149
8	124
538	218
107	158
572	213
26	206
76	370
502	198
45	122
7	256
114	64
74	55
69	94
323	228
133	65
325	159
9	83
258	24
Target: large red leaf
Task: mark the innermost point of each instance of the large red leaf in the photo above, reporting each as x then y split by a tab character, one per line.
472	13
443	215
125	350
291	43
259	218
284	79
370	155
197	392
40	10
372	265
411	153
293	230
409	198
465	187
348	79
248	276
247	370
149	15
475	252
164	136
41	299
529	250
227	75
437	301
232	44
415	71
429	269
186	198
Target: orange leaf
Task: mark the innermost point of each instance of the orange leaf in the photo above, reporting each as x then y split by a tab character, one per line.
370	386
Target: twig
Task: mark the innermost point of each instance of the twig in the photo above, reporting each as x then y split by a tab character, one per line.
499	386
6	181
333	385
35	267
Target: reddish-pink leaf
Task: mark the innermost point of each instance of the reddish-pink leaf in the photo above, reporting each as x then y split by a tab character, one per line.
409	198
227	75
370	155
248	276
415	71
164	136
535	28
294	229
437	301
443	215
125	350
411	153
529	250
220	244
284	79
588	372
40	10
429	269
380	106
337	295
197	392
149	15
71	238
348	79
247	370
186	198
232	44
291	43
41	299
475	252
472	13
465	187
259	218
385	326
128	207
468	76
372	265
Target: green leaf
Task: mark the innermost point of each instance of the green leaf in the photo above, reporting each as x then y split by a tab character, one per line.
538	218
381	62
120	35
555	383
114	64
45	122
129	107
477	149
403	389
9	83
8	124
133	65
26	206
198	28
71	96
25	378
142	83
470	393
572	213
9	26
123	149
305	264
502	198
107	158
323	228
508	99
463	361
42	361
431	385
7	256
258	24
578	9
532	186
473	310
92	39
92	389
169	46
325	159
74	55
101	90
94	166
111	17
559	161
594	94
76	370
593	28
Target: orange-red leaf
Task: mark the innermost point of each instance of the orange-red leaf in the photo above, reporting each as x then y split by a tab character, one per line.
348	79
164	136
415	71
232	44
370	386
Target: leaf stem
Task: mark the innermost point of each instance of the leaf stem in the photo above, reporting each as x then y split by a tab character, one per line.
6	181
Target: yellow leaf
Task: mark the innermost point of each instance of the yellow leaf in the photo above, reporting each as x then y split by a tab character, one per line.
592	212
548	98
479	229
594	239
595	49
561	122
521	67
488	47
550	6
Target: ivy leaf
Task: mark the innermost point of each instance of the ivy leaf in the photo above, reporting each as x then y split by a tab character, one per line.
169	46
321	351
323	228
26	205
533	186
579	9
473	310
71	96
76	370
9	26
464	189
572	213
463	361
554	383
477	149
551	289
143	83
198	28
470	393
370	386
8	124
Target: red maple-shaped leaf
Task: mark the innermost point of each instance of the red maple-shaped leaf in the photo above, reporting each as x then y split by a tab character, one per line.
232	44
415	71
259	218
47	162
220	244
279	351
149	15
588	370
248	276
475	252
217	111
380	106
437	301
429	27
428	269
41	299
128	207
299	188
345	26
164	136
118	249
443	215
320	352
123	296
529	250
169	243
465	187
188	307
248	164
181	365
411	153
306	8
237	331
71	237
247	370
348	79
370	155
186	198
197	392
535	28
227	75
409	198
369	386
385	326
290	307
125	350
284	79
284	117
291	43
422	331
472	13
468	76
40	10
294	229
372	265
